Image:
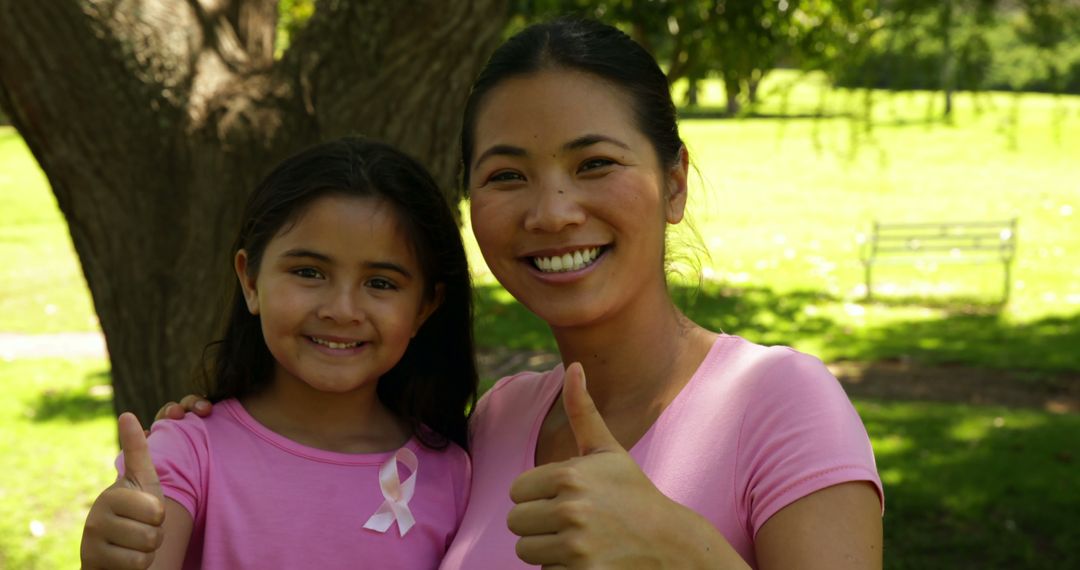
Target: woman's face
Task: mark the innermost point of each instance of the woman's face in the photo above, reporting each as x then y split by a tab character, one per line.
569	200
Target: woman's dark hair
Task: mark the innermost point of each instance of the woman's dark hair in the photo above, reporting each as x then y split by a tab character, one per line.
591	47
436	381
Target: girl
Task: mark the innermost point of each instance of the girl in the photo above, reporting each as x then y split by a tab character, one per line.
690	449
342	382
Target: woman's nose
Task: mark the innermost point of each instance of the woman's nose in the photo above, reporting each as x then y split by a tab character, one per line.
555	206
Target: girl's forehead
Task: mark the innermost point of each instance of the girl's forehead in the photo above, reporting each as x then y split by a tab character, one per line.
341	215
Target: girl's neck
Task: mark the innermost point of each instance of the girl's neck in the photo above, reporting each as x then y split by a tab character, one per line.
352	422
641	356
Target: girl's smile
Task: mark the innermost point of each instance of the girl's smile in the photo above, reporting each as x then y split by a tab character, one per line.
339	294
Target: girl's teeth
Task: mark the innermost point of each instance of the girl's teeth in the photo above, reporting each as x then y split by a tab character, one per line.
567	262
336	345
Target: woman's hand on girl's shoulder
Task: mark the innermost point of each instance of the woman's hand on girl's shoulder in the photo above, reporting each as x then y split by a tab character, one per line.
599	510
190	403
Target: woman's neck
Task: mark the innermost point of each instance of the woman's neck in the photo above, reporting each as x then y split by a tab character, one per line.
352	422
641	356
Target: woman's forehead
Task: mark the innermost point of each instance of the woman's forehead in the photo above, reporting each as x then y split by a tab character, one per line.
558	104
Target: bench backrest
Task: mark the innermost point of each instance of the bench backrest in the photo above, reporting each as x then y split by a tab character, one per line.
945	239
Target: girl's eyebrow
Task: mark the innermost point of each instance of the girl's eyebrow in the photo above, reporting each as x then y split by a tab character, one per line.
578	143
384	265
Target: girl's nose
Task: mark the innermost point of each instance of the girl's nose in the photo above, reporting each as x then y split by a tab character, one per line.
343	305
554	207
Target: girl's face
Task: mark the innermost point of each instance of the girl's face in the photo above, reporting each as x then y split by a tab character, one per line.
339	294
569	200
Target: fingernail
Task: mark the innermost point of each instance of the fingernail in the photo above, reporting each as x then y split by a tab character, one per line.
202	405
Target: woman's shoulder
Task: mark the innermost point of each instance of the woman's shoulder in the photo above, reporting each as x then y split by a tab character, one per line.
525	385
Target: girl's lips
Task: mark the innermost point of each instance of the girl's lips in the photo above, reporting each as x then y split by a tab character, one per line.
336	345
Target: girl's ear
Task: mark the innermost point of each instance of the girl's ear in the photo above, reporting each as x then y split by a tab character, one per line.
675	203
247	282
428	308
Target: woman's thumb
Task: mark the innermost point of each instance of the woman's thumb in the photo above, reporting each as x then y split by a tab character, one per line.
590	431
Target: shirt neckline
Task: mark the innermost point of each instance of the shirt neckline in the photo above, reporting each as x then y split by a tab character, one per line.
241	415
550	392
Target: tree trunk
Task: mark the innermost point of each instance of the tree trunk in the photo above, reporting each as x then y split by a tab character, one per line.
153	118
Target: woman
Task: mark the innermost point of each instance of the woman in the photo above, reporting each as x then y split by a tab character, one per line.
739	455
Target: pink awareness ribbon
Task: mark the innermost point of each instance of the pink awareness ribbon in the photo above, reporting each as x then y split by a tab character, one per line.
396	493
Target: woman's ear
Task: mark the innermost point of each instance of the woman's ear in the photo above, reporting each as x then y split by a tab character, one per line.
675	202
428	308
247	282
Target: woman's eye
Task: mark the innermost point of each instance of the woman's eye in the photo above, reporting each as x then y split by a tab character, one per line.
308	273
505	176
381	283
595	163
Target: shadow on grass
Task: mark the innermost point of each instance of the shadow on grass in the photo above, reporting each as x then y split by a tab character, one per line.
970	333
968	488
90	401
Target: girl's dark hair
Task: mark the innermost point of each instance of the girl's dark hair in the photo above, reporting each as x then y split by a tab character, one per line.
436	381
591	47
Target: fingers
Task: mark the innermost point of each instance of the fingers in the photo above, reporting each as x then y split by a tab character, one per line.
548	550
590	432
138	468
134	535
533	518
190	403
119	558
137	505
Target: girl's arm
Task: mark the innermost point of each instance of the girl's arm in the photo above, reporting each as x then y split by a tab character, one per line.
131	524
177	528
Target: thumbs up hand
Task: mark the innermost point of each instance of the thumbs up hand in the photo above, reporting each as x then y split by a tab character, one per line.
597	510
124	526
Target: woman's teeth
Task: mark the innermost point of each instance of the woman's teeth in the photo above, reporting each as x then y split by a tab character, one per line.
332	344
567	261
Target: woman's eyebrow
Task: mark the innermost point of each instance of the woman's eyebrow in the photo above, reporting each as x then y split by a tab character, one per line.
499	150
591	139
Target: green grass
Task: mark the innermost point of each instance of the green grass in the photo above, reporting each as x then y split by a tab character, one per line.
779	204
58	437
42	288
976	487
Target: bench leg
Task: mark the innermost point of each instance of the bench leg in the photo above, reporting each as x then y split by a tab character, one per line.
869	291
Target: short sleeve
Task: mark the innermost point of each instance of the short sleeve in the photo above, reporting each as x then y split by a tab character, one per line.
799	434
179	450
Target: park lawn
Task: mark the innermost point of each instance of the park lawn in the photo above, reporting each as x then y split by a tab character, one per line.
966	486
780	205
42	289
58	436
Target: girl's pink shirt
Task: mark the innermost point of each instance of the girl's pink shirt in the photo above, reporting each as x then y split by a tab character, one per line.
755	429
259	500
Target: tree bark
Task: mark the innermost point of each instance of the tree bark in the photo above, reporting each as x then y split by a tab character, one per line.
153	118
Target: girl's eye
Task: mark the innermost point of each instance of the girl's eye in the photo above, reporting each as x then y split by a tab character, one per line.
595	163
308	273
382	283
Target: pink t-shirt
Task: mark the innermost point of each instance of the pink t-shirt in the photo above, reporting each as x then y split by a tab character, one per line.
259	500
755	429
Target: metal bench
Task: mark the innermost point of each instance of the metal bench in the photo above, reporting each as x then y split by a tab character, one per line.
948	242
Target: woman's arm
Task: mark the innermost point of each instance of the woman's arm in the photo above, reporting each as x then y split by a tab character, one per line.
838	527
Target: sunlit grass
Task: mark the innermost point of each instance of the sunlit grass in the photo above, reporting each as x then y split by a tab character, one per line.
58	437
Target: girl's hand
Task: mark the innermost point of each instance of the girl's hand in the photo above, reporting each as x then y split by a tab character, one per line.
190	403
123	528
599	510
